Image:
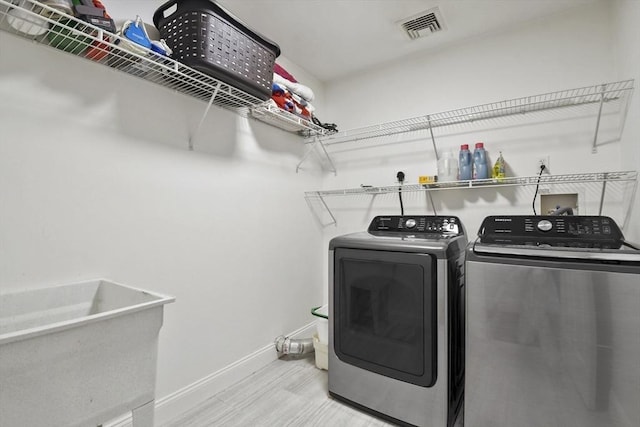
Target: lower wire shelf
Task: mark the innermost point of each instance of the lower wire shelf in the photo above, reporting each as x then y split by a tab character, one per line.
599	178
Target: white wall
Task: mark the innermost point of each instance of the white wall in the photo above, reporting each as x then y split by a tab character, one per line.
96	181
566	51
626	44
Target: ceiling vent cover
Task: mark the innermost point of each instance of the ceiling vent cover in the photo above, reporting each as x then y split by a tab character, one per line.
423	23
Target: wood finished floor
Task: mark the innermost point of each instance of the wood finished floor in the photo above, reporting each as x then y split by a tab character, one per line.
285	393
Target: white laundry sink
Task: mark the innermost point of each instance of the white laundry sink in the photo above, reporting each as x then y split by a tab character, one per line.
78	354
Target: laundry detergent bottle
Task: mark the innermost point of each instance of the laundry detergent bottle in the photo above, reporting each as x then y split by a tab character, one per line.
480	170
464	163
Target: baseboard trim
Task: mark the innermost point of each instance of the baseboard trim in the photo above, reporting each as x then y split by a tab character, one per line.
171	406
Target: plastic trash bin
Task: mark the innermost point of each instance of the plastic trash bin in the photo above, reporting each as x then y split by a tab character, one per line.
321	337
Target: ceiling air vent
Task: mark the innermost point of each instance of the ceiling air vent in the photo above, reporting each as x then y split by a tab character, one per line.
423	24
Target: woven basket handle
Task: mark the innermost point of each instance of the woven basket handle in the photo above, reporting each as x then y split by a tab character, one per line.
159	16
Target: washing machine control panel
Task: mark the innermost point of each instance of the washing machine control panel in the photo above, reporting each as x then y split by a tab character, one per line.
569	231
428	224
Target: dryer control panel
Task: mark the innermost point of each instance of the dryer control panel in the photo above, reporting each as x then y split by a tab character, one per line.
569	231
427	224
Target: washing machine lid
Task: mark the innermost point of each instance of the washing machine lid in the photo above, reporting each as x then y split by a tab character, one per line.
546	251
389	242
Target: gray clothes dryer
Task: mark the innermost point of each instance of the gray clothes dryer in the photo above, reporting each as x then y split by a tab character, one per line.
553	324
396	319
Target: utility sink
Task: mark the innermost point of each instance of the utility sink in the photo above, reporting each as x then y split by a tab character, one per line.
78	354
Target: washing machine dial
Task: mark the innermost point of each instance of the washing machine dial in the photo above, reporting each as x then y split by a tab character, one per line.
545	225
410	223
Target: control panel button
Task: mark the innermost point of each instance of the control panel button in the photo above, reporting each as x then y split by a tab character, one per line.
410	223
545	225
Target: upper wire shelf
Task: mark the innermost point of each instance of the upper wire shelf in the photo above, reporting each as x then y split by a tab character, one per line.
597	94
274	115
51	27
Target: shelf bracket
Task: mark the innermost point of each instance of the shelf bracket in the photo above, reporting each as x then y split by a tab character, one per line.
311	147
433	206
333	218
627	215
319	196
206	111
604	188
623	116
594	149
433	140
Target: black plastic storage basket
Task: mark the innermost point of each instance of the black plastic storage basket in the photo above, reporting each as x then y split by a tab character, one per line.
208	38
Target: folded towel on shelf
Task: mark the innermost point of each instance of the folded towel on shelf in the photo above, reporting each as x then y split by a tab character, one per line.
284	100
290	95
277	68
297	88
303	102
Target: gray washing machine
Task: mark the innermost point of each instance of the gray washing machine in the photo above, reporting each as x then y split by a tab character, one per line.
553	324
396	319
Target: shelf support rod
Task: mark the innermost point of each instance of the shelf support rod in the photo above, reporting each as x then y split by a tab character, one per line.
316	141
595	136
304	157
433	140
433	206
627	215
333	168
318	195
333	218
623	115
206	111
604	188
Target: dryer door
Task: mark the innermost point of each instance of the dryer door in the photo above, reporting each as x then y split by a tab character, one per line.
385	313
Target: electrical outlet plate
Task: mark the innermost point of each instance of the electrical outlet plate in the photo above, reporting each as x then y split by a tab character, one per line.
543	160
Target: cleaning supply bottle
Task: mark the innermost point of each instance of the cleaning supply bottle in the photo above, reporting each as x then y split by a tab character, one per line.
465	163
480	170
498	168
448	167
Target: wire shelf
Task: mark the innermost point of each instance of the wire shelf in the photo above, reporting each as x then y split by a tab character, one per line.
599	177
590	95
53	28
273	115
614	184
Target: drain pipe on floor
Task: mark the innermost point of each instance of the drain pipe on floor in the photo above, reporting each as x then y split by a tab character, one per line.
286	345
